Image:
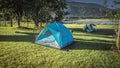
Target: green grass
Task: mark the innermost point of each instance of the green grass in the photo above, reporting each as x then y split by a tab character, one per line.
90	50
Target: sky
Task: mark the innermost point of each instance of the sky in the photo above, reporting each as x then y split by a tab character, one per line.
109	2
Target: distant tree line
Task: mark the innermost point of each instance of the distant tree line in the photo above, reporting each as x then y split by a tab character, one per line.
37	10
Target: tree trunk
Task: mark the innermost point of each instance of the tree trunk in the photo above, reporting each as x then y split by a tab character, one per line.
41	27
27	22
118	37
11	23
40	24
36	23
19	23
5	24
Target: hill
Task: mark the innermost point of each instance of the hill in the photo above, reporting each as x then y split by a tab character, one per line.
77	9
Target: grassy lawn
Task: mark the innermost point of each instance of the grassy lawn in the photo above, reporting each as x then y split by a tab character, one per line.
90	50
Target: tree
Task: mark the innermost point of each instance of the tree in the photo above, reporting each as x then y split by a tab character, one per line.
13	7
115	16
41	10
18	10
38	10
4	12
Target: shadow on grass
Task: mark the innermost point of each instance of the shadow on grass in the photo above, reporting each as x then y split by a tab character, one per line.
76	29
98	31
105	32
30	37
28	33
26	28
94	44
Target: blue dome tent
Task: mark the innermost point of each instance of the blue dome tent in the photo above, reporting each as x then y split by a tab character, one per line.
55	35
89	28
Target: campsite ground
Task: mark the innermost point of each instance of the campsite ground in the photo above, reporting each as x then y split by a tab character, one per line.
90	50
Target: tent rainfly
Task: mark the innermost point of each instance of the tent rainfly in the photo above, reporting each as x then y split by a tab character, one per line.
55	35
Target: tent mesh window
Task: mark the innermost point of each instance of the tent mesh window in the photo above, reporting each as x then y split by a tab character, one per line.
48	40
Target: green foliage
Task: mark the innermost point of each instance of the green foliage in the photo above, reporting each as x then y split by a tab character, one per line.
91	50
38	10
42	11
115	16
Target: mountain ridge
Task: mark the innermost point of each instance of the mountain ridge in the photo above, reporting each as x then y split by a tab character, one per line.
79	9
